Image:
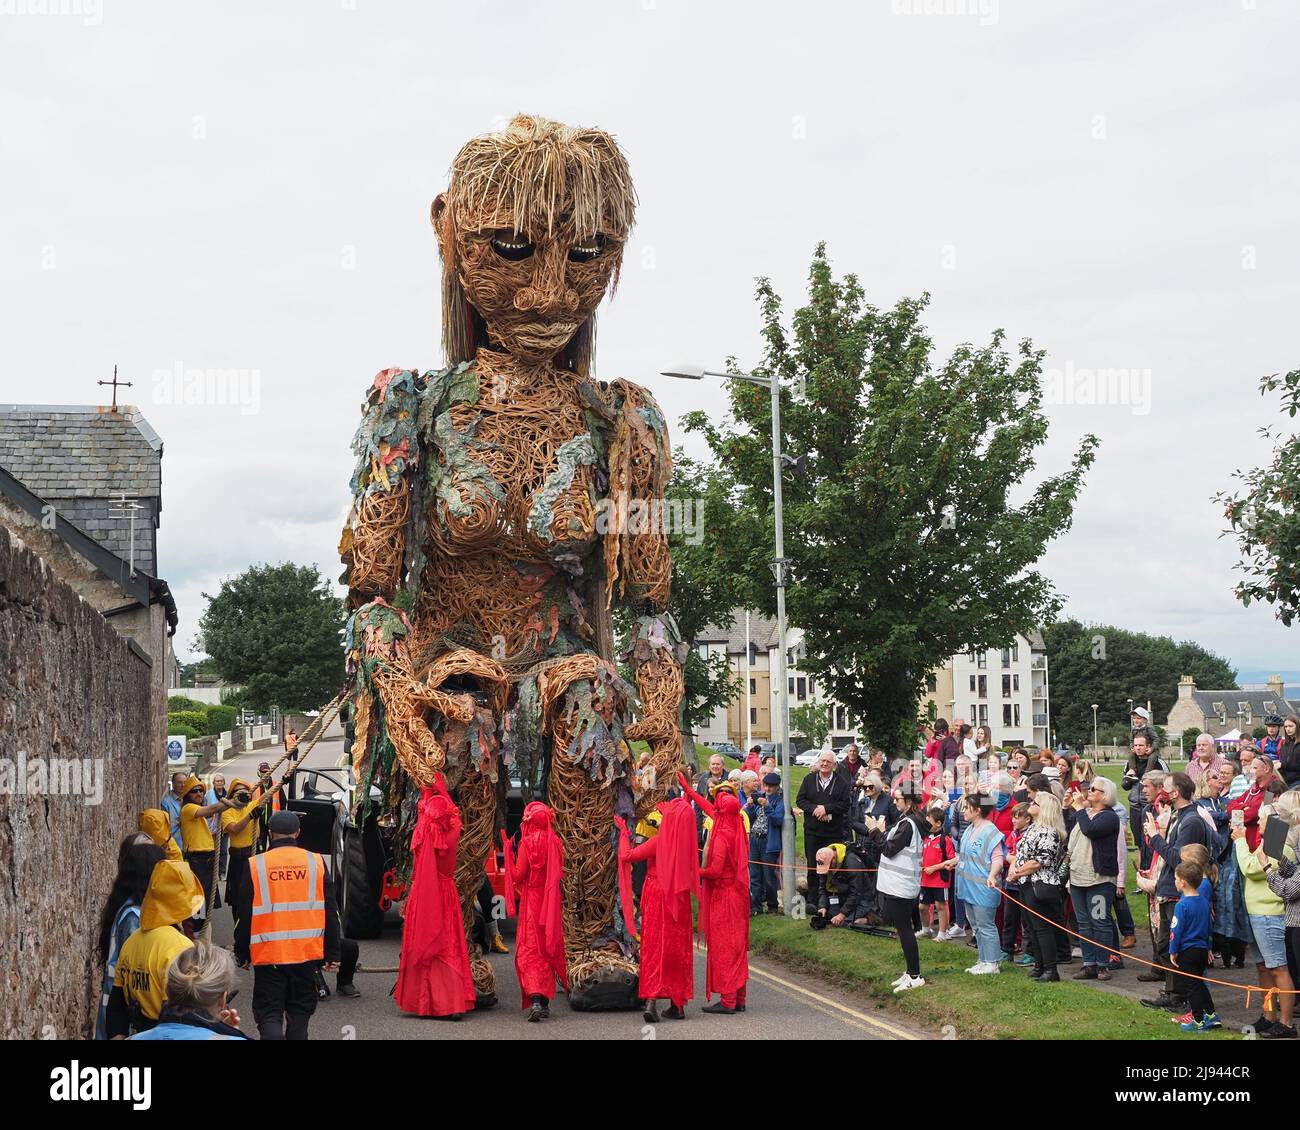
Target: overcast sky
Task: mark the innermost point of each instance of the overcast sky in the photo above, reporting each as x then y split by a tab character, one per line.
246	186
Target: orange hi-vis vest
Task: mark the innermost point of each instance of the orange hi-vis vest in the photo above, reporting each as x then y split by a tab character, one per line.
287	926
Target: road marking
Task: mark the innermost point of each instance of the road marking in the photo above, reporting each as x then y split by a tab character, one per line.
897	1033
839	1010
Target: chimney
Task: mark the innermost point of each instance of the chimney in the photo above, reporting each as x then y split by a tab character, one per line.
1276	687
1185	686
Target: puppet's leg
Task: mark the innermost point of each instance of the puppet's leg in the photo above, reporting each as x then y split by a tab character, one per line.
590	778
479	799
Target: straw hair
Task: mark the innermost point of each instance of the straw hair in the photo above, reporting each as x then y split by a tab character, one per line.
524	180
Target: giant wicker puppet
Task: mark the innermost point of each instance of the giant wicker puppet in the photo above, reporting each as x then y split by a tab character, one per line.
498	516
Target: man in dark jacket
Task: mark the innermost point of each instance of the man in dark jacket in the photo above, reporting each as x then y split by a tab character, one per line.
766	818
824	797
1141	760
842	877
1185	827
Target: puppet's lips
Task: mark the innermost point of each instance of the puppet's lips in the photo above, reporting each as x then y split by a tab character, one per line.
550	331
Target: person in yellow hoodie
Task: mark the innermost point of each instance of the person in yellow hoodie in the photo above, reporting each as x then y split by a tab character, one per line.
1266	912
196	838
156	824
241	825
140	982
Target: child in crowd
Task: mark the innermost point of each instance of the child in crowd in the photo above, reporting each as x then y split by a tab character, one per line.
1013	921
936	877
1189	945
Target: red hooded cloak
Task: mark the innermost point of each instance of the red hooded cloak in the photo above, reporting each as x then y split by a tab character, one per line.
533	883
672	877
433	977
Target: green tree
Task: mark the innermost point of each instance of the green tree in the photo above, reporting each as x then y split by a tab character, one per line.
1108	665
276	629
1265	515
903	537
812	721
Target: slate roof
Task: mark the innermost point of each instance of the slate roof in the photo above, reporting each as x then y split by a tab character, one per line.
762	631
1205	701
79	458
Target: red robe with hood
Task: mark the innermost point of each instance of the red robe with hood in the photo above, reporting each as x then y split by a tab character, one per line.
672	876
533	895
724	901
433	977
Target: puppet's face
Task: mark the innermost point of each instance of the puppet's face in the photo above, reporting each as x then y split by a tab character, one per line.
534	289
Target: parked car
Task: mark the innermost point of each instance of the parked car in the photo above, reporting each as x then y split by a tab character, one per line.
727	749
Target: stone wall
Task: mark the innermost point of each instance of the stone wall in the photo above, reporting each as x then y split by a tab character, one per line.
77	763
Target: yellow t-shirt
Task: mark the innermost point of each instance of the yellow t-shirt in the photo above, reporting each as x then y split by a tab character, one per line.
195	833
142	967
744	819
233	816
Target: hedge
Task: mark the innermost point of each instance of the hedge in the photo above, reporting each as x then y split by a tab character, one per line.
180	729
178	702
197	720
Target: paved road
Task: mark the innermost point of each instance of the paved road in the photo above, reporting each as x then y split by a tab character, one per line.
782	1004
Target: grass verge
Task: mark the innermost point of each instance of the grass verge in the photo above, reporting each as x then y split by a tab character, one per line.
1006	1006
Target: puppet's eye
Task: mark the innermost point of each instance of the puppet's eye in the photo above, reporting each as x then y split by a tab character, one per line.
587	249
512	246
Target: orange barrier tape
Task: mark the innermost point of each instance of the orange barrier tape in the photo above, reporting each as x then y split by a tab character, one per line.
1269	993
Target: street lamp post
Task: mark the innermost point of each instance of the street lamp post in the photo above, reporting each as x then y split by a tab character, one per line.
1094	730
778	567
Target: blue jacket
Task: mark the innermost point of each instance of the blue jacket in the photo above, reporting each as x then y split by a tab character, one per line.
775	819
171	804
189	1026
1190	927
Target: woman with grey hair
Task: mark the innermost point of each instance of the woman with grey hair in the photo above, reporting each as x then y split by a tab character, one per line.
199	986
1094	870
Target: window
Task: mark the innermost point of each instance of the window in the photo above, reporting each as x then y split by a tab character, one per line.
839	718
790	689
984	686
1244	709
801	689
1006	715
1006	686
984	715
1006	657
1016	715
812	690
1015	684
753	686
972	684
1015	653
753	715
982	659
973	711
931	683
1269	708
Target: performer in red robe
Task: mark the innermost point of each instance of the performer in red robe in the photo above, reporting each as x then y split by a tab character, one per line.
433	977
724	902
672	876
533	881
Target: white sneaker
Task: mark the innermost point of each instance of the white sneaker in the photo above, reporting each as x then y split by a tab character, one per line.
983	968
953	933
1076	952
925	932
900	979
909	982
